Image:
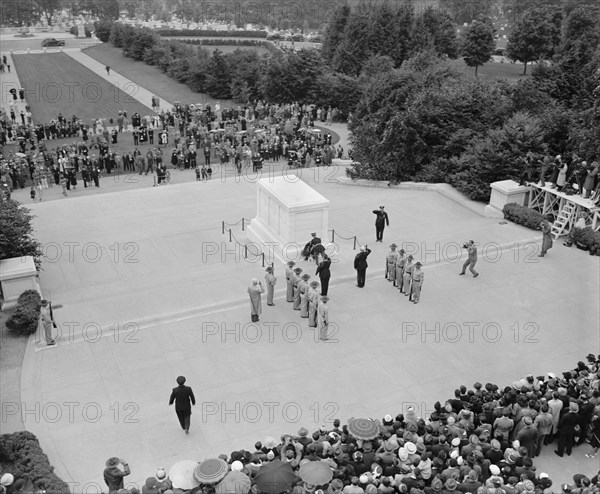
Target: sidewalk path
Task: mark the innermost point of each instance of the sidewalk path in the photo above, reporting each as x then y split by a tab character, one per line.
141	94
11	80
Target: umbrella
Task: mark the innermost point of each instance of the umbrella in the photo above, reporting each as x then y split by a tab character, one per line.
21	155
211	471
365	429
234	483
181	474
314	130
315	472
274	477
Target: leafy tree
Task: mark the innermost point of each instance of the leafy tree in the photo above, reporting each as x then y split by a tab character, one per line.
48	8
102	29
478	43
16	232
465	12
142	40
338	91
533	37
401	39
434	30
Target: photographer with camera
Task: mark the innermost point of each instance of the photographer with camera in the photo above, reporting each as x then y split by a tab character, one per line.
472	259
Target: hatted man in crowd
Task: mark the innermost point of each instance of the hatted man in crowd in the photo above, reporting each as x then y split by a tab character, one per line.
184	398
113	475
255	290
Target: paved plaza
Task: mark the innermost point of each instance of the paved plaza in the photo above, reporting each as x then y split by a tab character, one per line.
152	289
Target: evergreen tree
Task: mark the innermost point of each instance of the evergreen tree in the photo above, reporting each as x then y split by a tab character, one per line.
353	50
16	231
335	31
218	76
478	43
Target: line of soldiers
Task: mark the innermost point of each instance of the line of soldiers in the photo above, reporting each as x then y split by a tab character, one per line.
408	277
305	298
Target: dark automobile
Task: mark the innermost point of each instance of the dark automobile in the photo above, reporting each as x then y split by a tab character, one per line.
53	42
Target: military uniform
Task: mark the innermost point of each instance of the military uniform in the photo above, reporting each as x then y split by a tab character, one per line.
390	264
313	302
289	277
270	281
303	289
323	318
408	271
400	262
296	280
417	282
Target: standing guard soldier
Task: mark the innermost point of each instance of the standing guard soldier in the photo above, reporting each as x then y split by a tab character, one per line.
297	279
400	262
417	283
408	271
303	288
270	282
289	278
390	264
313	302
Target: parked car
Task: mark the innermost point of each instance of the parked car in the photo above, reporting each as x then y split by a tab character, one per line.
53	42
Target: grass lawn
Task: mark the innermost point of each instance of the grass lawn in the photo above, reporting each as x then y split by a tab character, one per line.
56	83
152	78
494	70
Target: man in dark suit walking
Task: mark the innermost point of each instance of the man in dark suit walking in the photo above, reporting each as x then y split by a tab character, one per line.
360	264
381	222
183	396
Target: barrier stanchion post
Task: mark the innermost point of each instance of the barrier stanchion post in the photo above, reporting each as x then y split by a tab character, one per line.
222	227
245	252
230	234
263	259
332	236
243	224
154	177
354	248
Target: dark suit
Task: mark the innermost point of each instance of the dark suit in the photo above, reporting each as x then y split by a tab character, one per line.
183	396
360	264
566	432
324	275
380	223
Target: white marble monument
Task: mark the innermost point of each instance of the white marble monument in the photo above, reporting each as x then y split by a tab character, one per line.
505	192
17	275
288	210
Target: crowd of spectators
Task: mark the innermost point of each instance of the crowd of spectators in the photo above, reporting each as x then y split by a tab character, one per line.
199	137
482	440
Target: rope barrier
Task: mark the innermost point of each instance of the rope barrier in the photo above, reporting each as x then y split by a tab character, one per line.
247	247
354	238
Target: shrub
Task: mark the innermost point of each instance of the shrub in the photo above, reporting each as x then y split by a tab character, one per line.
587	239
24	318
21	455
102	29
523	216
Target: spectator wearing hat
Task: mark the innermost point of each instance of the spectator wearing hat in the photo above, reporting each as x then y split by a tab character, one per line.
381	221
555	405
163	482
400	261
504	425
289	278
303	289
566	430
114	475
184	398
417	283
324	273
528	436
543	423
270	282
546	229
303	438
361	265
255	290
323	318
150	486
47	322
313	302
390	264
297	279
470	483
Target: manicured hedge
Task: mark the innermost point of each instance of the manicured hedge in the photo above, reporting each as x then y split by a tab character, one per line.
202	32
587	239
523	216
230	42
21	455
25	316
